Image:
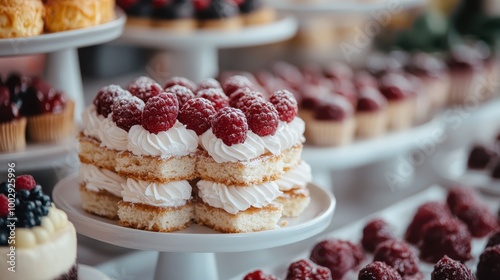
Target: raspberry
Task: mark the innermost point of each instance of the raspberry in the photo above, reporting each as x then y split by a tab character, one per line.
289	73
488	267
448	268
245	101
230	125
375	232
238	94
458	196
427	212
285	104
209	83
4	206
378	270
197	114
217	97
183	94
160	113
106	97
236	82
478	218
180	81
259	275
399	255
127	112
262	118
304	269
338	256
144	88
25	182
494	240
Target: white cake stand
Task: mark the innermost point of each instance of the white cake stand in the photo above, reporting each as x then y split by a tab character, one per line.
195	54
189	254
62	68
306	8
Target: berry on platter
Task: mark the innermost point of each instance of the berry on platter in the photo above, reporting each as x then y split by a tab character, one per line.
304	270
259	275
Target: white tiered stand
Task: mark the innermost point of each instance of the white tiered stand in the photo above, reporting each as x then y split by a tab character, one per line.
195	55
62	71
189	254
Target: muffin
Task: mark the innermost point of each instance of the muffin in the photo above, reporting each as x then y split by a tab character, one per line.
21	18
397	89
434	76
50	114
333	123
177	15
371	113
62	15
12	125
218	14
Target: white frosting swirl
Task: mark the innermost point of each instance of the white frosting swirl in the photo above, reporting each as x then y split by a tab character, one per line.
173	194
177	141
296	178
97	179
92	122
286	136
112	136
234	199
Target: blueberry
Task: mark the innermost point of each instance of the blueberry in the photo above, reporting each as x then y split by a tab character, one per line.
17	202
27	223
29	205
4	188
3	223
45	210
3	238
23	194
38	220
46	200
36	193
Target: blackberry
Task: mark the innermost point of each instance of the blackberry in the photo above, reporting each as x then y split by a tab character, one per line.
4	188
3	237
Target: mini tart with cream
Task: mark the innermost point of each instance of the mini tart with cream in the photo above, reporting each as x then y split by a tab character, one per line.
40	230
62	15
21	18
371	113
401	110
12	124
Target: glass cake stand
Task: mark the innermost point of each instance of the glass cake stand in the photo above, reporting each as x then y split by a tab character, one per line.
189	254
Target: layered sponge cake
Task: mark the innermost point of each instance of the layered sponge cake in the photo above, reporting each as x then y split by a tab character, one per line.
36	239
219	155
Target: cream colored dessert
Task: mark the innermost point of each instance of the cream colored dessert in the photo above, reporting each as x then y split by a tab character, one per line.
156	206
62	15
293	184
21	18
238	208
100	190
43	252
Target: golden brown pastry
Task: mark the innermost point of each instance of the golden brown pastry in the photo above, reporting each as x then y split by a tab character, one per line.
21	18
64	15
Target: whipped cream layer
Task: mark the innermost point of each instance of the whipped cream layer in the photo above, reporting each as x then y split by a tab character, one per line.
286	136
92	122
177	141
173	194
112	136
296	178
97	179
234	199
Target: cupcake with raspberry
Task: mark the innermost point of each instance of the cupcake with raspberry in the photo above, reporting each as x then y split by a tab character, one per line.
371	113
255	12
218	14
333	123
45	241
50	114
12	124
397	89
176	15
138	12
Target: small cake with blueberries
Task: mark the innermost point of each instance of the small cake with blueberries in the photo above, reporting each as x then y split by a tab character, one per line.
45	241
218	14
176	15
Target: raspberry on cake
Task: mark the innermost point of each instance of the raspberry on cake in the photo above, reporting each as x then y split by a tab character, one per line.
216	96
181	81
209	83
45	241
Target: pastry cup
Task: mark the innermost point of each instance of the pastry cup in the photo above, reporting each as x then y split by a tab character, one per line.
371	124
467	85
180	25
52	127
139	21
438	90
330	132
13	135
263	15
400	114
21	18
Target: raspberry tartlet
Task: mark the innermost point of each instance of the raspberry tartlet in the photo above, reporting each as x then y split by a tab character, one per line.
371	113
45	241
12	124
397	89
177	15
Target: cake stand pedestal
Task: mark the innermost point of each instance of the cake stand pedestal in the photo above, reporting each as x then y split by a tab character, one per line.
195	55
189	253
62	68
